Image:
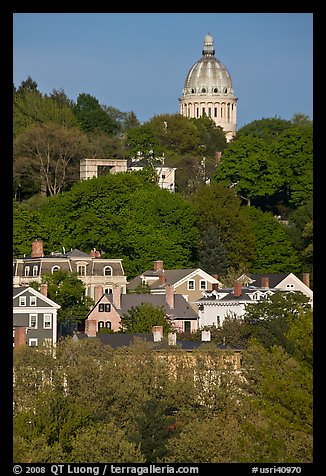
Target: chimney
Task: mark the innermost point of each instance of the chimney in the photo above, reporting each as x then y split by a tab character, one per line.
206	336
169	295
95	253
172	338
265	282
116	297
19	336
214	286
237	289
37	249
158	265
157	333
306	279
90	327
162	278
44	289
98	291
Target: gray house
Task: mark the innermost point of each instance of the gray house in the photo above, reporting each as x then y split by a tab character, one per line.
34	317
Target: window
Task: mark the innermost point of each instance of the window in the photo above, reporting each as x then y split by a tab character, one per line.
218	321
35	269
33	342
215	111
26	271
163	176
22	300
54	269
33	321
191	284
47	321
290	286
202	284
100	325
81	270
108	324
32	300
215	90
107	271
187	326
107	291
203	90
209	111
104	307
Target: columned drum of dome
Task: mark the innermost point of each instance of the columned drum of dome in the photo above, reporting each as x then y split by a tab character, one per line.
208	90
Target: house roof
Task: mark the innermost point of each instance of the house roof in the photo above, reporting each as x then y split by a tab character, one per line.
181	310
274	279
20	290
172	277
227	294
117	340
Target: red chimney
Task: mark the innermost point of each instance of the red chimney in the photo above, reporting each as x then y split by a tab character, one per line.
169	295
162	278
19	336
44	289
158	265
37	249
116	297
265	282
214	286
98	291
90	328
237	289
306	279
95	253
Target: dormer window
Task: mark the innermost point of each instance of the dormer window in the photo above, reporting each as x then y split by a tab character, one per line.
107	271
35	270
54	269
81	270
26	271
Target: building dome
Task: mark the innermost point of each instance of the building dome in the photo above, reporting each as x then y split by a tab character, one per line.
208	90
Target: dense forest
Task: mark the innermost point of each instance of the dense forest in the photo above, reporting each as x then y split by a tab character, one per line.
240	206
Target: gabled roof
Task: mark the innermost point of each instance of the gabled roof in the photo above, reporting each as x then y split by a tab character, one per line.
21	290
173	277
181	310
227	295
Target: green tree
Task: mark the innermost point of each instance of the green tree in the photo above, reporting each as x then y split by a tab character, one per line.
141	319
269	321
274	251
69	292
247	166
268	129
218	207
92	117
211	254
52	153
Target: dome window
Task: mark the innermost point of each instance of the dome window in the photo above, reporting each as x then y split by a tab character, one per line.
203	90
215	90
225	90
192	90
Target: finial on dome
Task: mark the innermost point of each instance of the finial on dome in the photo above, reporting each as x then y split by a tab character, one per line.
208	45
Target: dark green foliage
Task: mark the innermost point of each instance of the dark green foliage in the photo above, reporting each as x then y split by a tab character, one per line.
212	256
91	116
274	251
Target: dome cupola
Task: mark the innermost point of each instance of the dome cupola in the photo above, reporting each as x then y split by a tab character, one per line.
208	90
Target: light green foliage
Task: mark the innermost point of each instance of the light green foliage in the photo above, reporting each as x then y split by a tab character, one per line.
125	216
138	404
141	319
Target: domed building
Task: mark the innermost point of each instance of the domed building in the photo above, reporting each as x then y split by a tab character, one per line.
208	90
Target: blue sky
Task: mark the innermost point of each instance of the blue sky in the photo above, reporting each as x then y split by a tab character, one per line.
139	61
